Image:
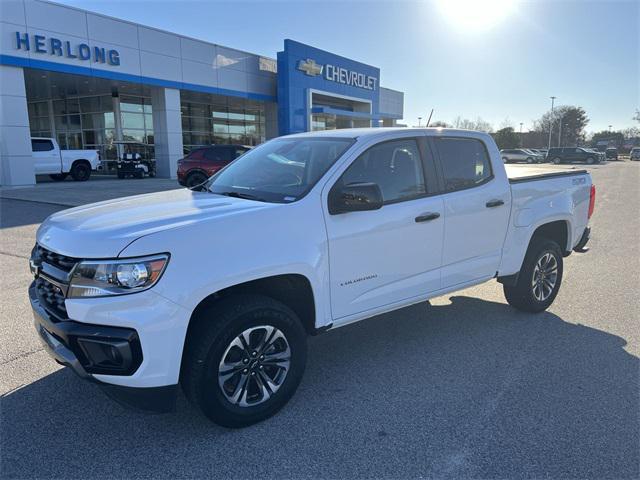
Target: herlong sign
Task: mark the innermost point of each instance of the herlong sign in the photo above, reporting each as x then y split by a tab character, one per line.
64	48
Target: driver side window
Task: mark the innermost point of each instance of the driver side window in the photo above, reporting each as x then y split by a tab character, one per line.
395	166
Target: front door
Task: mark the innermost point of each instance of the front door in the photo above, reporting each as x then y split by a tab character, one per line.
386	256
477	207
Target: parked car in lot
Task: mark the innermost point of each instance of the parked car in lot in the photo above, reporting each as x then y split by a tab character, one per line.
130	294
203	162
573	154
600	155
520	155
611	154
634	154
50	160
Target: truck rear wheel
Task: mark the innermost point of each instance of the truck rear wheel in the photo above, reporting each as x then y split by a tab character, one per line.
244	359
539	279
80	171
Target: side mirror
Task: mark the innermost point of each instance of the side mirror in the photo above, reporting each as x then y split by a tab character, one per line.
356	197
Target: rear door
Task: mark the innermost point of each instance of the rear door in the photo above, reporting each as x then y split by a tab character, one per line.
386	256
46	158
477	207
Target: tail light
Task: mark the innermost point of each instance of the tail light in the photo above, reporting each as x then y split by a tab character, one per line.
592	200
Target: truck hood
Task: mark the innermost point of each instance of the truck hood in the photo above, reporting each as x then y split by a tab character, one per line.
103	230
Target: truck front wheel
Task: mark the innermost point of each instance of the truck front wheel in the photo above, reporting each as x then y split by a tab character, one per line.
244	359
539	279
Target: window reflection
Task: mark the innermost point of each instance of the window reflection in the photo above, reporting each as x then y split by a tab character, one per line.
222	121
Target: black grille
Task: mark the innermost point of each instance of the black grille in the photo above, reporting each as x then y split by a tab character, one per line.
60	261
52	298
51	284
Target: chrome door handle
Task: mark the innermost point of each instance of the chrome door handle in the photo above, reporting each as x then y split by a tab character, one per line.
427	217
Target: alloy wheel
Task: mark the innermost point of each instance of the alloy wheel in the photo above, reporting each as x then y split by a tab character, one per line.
545	276
254	366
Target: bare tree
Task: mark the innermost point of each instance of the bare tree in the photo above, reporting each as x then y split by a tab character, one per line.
477	124
567	124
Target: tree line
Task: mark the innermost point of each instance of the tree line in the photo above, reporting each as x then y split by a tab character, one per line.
566	123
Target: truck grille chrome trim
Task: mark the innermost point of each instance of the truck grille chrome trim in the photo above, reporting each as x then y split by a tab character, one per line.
53	275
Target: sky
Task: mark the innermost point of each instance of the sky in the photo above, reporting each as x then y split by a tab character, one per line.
500	60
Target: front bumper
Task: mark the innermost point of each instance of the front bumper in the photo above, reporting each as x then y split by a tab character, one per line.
91	350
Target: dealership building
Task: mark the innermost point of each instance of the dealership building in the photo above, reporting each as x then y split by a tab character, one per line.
89	80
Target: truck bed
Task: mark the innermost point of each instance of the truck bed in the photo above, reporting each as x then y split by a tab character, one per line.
521	173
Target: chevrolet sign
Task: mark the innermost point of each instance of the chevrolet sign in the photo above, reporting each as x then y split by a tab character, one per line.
338	74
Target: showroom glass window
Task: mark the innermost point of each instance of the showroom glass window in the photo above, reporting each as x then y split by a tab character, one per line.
215	119
465	163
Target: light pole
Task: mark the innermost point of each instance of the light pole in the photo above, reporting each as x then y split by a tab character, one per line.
610	128
551	123
419	121
520	134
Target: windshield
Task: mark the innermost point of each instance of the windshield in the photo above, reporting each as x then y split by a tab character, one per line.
281	170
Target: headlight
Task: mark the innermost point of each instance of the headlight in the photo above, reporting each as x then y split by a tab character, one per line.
100	278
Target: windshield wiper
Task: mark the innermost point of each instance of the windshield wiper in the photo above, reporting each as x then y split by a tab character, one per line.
246	196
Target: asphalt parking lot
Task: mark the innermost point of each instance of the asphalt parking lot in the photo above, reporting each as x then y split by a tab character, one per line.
465	387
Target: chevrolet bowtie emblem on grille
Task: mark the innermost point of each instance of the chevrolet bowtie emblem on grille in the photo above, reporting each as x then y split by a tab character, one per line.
310	67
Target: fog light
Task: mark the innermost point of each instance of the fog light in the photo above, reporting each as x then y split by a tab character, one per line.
106	355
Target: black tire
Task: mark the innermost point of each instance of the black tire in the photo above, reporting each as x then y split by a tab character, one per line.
591	161
521	295
120	175
215	329
529	160
195	178
139	174
81	171
556	160
58	177
505	159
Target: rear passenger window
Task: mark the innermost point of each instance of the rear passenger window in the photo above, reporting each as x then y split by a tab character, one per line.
465	163
41	145
218	154
395	166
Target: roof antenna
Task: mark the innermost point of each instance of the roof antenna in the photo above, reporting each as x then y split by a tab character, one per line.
429	120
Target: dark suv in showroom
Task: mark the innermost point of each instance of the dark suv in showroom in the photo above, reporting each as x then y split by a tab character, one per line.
203	162
573	154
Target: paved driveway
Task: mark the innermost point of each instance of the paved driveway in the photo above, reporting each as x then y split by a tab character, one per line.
463	388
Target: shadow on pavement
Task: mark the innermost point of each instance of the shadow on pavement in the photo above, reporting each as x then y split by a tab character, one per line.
470	389
18	213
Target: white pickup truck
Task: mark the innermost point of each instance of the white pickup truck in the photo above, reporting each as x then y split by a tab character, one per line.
50	160
218	289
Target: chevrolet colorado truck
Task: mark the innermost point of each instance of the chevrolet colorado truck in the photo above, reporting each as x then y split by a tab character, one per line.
217	290
49	159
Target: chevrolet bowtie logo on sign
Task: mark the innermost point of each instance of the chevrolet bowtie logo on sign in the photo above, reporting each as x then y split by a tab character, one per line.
337	74
310	67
